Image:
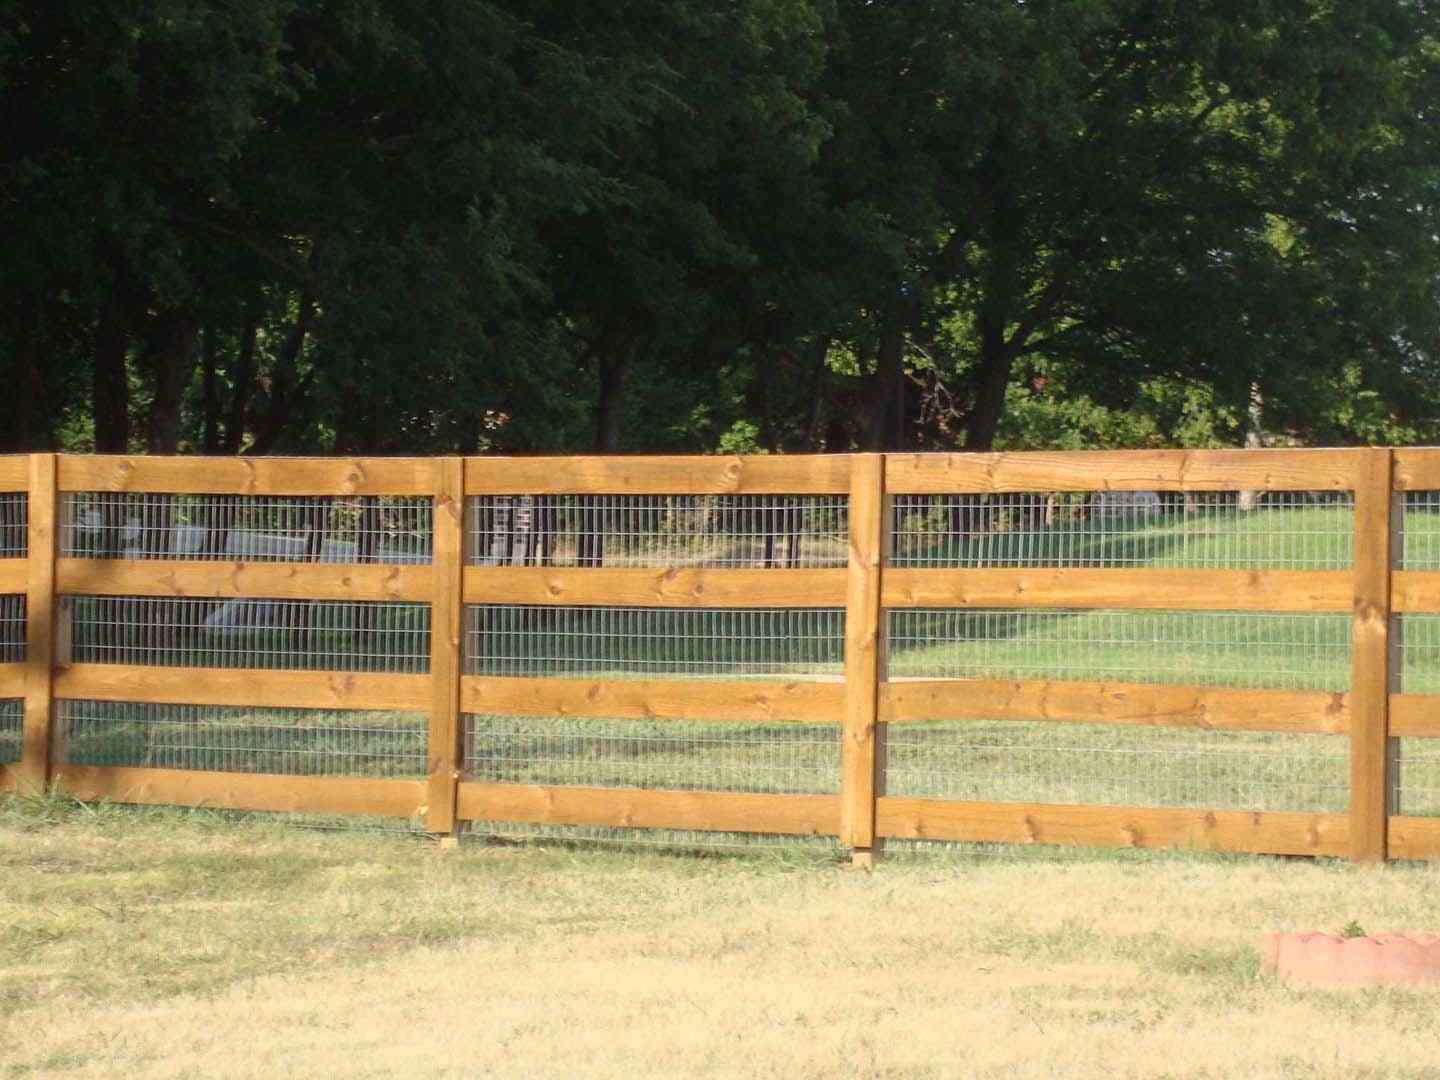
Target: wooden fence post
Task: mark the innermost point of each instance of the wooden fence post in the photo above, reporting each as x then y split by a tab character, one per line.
863	636
1370	658
446	731
35	754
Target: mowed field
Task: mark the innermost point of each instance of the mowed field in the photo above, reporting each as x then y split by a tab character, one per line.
148	943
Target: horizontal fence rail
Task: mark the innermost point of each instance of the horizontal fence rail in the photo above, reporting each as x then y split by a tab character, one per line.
1228	650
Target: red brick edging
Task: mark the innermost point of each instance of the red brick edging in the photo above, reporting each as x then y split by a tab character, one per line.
1338	961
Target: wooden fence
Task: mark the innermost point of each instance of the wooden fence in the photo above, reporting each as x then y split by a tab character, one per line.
1376	592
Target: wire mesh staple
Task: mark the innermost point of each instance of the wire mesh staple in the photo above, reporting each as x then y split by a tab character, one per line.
329	635
1188	648
247	528
661	755
1117	765
14	525
12	722
12	627
1292	530
288	742
622	642
658	530
1420	541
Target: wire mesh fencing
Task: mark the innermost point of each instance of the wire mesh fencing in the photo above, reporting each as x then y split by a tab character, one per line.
1117	765
1415	762
1420	533
1418	647
1103	764
708	531
329	635
248	528
284	742
1415	777
12	627
12	722
778	759
1275	530
1203	648
625	642
14	525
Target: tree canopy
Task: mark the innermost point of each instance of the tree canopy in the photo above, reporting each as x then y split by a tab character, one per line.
405	226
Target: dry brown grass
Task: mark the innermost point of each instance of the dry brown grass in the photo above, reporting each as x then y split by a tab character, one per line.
165	945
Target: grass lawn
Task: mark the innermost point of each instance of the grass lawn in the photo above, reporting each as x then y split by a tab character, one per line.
154	943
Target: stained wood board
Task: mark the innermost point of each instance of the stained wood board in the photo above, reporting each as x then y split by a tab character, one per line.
747	701
804	815
1154	589
206	578
1208	708
625	587
1122	470
1114	826
242	687
814	474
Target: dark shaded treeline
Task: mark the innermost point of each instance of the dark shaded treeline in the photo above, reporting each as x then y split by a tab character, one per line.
334	226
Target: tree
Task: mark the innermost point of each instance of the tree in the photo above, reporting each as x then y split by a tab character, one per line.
1102	183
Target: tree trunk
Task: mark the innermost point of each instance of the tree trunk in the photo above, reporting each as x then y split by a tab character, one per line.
171	355
884	421
1254	439
209	393
30	427
111	381
614	368
817	355
244	381
286	389
996	360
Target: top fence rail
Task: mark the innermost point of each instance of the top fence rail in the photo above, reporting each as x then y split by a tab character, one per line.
1416	469
758	475
1122	470
14	472
247	476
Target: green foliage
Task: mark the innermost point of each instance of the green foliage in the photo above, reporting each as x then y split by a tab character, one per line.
297	225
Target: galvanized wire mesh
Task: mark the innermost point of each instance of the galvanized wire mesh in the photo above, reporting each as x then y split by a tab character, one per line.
1281	530
1415	776
289	742
1420	543
1415	762
331	635
1280	651
12	627
658	530
248	528
617	642
14	537
1117	765
12	722
672	755
1418	645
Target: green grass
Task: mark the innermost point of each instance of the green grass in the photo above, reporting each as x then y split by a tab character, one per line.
1312	537
154	942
